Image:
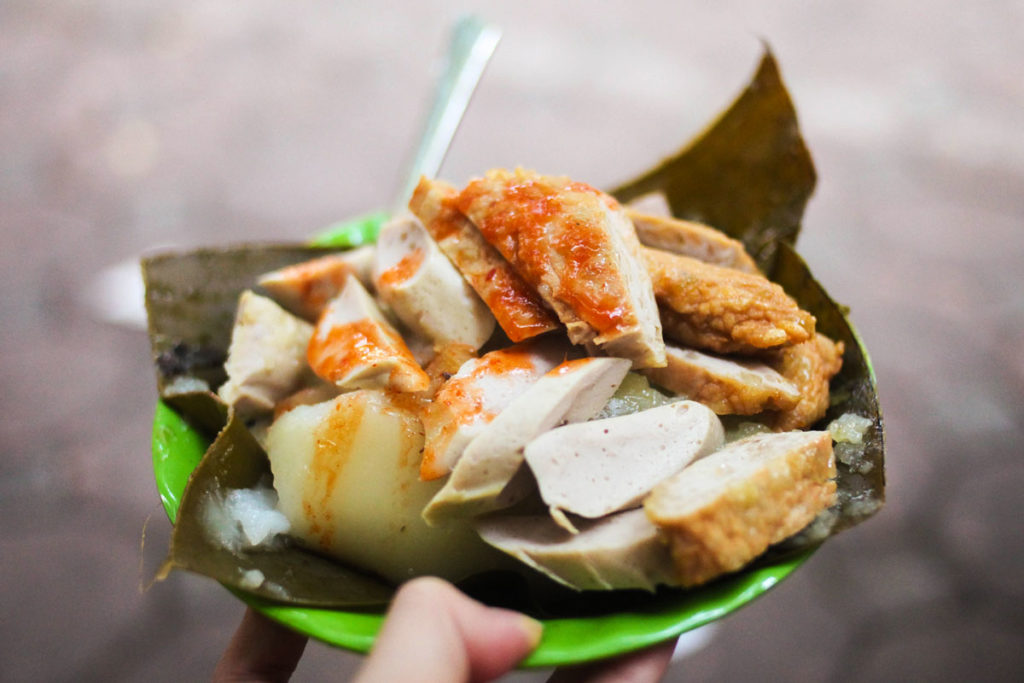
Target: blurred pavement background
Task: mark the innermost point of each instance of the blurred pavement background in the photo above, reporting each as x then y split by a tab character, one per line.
126	126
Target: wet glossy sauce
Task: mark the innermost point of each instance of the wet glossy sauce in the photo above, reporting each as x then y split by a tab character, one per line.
535	222
403	270
347	348
315	282
464	401
570	366
333	442
590	283
516	307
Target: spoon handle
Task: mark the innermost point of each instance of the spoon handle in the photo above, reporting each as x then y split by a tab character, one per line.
472	44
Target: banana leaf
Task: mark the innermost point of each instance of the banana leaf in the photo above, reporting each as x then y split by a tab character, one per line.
749	174
191	299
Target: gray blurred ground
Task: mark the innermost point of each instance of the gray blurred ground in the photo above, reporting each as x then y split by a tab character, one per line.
129	125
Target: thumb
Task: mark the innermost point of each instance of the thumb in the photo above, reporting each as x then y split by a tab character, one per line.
435	633
261	650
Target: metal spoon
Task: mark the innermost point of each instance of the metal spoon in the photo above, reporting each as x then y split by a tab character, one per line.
472	44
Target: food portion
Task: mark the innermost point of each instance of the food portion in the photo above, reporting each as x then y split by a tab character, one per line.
347	477
727	508
446	434
305	288
688	238
487	476
723	310
516	306
266	359
577	248
401	448
623	550
595	468
810	366
416	281
476	394
729	386
354	346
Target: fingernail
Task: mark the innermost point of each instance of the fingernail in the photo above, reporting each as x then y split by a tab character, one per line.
533	630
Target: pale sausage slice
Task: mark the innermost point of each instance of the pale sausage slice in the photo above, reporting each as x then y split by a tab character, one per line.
729	386
477	393
619	551
267	357
355	347
305	288
575	390
726	509
595	468
687	238
423	288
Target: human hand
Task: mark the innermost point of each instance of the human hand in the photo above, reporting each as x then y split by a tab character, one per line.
432	632
260	651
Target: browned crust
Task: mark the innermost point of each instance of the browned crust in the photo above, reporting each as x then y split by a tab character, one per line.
721	309
810	366
779	500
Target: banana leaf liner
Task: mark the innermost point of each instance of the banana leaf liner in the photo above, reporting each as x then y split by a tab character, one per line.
749	174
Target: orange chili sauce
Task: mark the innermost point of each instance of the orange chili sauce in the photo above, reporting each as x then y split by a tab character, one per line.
460	402
364	342
318	281
403	270
527	219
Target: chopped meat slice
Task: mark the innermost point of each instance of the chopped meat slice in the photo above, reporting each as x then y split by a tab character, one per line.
576	247
598	467
354	346
810	366
305	288
361	259
516	306
266	360
623	550
444	362
727	508
481	479
653	203
695	240
722	309
729	386
424	290
476	394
